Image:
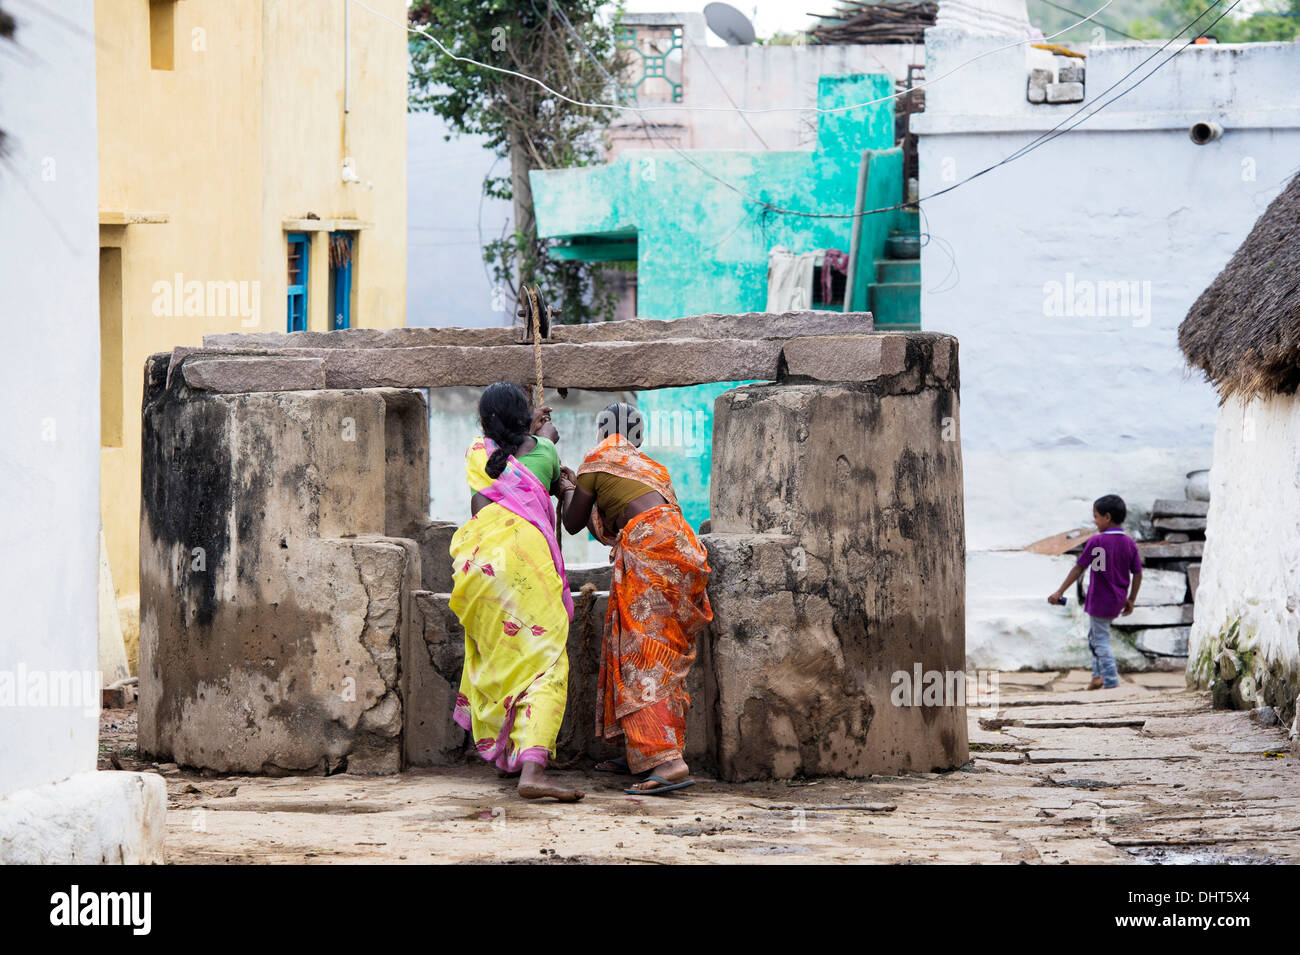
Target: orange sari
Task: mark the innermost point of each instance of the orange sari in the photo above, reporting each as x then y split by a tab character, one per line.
657	608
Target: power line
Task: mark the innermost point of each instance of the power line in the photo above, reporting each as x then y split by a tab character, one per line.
1041	140
1099	23
419	31
1053	133
716	79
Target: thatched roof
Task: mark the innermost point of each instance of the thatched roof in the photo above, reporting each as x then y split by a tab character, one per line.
1244	330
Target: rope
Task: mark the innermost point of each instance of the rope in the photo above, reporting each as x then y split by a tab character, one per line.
537	346
539	395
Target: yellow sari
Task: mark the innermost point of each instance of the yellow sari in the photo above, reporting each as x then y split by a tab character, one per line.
512	598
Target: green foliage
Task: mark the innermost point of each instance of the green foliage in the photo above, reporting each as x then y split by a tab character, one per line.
1172	15
571	45
783	38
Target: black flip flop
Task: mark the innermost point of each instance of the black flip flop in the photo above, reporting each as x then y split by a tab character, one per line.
667	787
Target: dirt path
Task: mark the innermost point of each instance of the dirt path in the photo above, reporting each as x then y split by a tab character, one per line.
1145	772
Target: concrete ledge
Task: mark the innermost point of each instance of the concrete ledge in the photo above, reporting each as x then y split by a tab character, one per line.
87	819
1167	616
599	366
237	375
1191	550
845	358
1164	641
596	365
748	325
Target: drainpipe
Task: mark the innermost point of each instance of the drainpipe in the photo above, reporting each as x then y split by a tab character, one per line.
349	172
855	240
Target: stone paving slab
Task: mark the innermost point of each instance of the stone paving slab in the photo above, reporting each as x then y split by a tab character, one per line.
1109	795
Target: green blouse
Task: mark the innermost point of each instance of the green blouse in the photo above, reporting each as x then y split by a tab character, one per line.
543	461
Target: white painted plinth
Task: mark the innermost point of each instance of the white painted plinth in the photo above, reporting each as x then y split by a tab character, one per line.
89	818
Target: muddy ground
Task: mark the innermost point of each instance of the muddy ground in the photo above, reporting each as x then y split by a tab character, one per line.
1146	772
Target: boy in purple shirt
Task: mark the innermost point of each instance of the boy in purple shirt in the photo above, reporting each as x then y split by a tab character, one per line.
1115	561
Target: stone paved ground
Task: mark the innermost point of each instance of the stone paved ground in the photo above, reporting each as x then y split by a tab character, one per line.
1147	772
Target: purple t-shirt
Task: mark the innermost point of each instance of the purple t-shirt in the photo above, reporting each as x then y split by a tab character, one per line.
1114	560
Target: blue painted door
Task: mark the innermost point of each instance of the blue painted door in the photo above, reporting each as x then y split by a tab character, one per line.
299	247
340	280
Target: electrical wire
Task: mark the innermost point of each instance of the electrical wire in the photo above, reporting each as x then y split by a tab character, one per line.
1040	140
420	31
1099	23
718	80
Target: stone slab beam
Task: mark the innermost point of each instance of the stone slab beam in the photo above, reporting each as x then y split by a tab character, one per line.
236	375
597	365
929	357
751	325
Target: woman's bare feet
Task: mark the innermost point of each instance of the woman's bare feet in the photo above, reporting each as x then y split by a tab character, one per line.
675	771
533	784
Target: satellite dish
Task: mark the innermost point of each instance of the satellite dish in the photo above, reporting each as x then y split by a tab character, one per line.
729	24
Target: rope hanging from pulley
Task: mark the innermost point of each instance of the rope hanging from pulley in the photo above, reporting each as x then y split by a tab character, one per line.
537	323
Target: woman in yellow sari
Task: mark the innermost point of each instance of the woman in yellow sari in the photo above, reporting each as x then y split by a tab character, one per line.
510	593
657	601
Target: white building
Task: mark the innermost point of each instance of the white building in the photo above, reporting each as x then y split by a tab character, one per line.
691	91
54	805
1244	334
1065	273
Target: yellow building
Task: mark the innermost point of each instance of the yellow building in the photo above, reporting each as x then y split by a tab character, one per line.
252	177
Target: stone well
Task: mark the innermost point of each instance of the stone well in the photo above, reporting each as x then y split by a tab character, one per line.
294	592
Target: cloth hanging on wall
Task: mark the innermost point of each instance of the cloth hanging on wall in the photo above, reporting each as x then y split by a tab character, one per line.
790	280
834	261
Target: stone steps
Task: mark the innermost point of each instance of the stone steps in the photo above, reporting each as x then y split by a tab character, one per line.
898	271
896	306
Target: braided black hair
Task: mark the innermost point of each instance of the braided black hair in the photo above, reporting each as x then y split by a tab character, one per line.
507	418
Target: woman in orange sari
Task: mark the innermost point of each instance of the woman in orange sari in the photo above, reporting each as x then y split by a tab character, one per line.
657	600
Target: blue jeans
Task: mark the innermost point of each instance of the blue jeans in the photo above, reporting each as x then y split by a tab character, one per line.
1103	661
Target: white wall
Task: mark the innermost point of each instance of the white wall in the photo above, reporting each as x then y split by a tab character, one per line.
1059	409
49	367
754	77
1251	569
446	280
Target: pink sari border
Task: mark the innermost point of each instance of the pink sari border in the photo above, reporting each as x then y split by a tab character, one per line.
520	493
499	751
